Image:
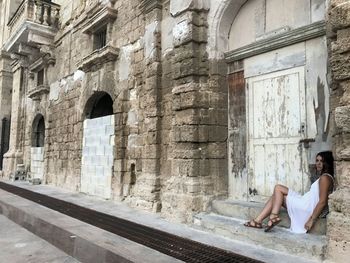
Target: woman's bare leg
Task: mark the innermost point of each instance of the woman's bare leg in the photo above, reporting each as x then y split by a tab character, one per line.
278	198
273	205
265	212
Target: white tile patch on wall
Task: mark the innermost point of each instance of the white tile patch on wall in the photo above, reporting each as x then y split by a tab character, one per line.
37	162
97	156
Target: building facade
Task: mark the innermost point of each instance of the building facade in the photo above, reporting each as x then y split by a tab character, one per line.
168	105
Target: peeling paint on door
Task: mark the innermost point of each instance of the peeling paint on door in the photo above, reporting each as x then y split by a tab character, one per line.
277	119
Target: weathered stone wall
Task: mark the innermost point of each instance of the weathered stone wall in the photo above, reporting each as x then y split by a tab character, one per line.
198	129
338	223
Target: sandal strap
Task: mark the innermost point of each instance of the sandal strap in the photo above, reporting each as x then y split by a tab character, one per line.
256	223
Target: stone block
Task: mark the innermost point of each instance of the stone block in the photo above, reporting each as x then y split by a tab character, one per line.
85	151
339	201
342	119
108	150
345	96
150	166
91	141
187	116
92	150
185	168
150	151
338	227
107	172
216	150
150	138
338	251
340	15
150	124
109	130
104	140
194	100
191	133
218	133
218	100
100	150
340	65
185	151
193	186
185	32
342	44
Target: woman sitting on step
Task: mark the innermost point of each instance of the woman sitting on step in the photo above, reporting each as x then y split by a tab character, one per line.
303	210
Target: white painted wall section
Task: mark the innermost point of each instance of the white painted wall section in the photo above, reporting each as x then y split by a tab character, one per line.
280	13
98	156
279	59
243	30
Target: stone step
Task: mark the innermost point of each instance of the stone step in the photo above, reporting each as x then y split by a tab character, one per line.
82	241
248	210
280	239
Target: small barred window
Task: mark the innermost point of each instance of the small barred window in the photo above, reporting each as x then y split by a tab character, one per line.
100	38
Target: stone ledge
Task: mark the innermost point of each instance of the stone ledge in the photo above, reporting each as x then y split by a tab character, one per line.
38	91
247	210
147	6
98	57
102	17
302	245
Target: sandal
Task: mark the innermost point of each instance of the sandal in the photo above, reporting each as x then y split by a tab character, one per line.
273	221
252	223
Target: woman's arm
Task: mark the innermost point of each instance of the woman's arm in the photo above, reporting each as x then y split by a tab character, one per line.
324	184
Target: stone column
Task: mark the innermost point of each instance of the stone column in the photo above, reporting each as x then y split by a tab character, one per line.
196	146
338	223
147	188
5	92
14	155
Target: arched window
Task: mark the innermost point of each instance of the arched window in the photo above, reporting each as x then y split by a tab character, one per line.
99	105
38	131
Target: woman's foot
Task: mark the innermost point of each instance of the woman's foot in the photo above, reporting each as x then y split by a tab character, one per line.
253	223
273	221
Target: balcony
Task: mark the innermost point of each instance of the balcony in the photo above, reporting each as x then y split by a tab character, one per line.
34	22
37	91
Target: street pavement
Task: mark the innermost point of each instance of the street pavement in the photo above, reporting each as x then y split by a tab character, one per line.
17	245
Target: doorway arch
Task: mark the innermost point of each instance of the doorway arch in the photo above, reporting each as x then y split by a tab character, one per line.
300	62
98	146
37	147
100	104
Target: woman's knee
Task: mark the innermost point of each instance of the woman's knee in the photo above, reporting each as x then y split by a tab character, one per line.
281	188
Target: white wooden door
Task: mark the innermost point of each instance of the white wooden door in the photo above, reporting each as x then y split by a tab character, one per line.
276	124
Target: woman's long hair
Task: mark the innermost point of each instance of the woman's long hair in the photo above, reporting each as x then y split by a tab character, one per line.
328	166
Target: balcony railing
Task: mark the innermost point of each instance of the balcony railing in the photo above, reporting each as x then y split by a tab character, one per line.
37	11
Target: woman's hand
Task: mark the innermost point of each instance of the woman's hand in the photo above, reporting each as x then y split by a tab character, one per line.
309	224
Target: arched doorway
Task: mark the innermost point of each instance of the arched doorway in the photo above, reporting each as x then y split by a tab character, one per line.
5	139
278	93
98	142
37	147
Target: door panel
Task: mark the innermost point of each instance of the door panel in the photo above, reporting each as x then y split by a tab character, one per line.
276	115
237	146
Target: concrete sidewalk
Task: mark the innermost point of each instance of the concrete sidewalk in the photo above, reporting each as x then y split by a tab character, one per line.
93	240
17	245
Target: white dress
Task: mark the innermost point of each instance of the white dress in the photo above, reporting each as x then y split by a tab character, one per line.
300	207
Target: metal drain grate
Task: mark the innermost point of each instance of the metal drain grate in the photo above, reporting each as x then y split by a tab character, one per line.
180	248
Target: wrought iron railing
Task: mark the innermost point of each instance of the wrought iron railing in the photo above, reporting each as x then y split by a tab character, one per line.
37	11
